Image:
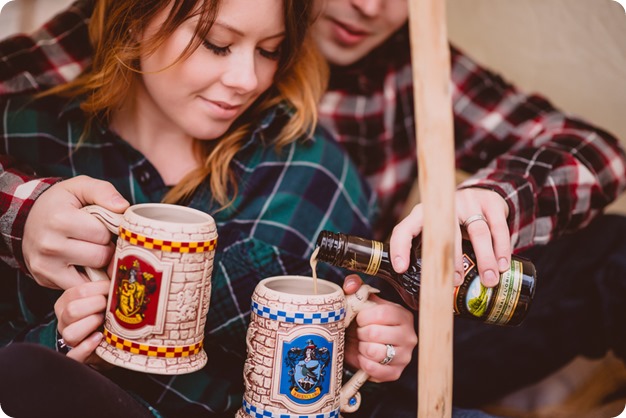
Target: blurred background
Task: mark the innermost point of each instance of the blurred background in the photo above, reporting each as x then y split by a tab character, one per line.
571	51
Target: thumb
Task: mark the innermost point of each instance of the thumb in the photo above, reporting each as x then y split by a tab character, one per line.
90	191
351	284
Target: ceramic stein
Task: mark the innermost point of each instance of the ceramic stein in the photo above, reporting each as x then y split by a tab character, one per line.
295	341
160	289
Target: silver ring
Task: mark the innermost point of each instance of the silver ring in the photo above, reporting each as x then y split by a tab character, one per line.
62	346
473	218
391	353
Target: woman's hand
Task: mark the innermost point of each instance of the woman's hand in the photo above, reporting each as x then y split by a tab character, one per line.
80	312
58	235
488	233
372	330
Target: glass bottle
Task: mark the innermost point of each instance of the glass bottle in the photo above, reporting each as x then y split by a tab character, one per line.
505	304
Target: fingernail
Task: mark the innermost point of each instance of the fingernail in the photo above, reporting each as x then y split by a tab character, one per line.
458	279
351	281
503	265
97	337
399	263
118	200
490	278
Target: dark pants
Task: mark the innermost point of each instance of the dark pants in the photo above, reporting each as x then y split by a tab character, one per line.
37	382
579	309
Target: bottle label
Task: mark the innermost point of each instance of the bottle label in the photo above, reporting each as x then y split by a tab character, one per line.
507	295
375	259
492	305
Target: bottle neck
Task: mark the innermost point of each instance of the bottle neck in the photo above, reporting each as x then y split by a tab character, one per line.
353	253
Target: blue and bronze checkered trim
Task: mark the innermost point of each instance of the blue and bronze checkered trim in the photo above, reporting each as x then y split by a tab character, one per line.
298	317
256	412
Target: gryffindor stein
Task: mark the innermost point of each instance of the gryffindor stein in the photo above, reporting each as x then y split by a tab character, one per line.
160	288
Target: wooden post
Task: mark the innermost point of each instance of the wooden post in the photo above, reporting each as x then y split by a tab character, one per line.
435	154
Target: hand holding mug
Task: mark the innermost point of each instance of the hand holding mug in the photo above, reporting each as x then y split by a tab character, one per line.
296	340
370	336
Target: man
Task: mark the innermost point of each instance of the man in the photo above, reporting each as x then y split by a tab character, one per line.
529	165
536	175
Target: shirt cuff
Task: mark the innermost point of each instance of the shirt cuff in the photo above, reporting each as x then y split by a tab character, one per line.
24	197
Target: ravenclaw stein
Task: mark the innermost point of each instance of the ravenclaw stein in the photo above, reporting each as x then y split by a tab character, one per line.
295	344
160	289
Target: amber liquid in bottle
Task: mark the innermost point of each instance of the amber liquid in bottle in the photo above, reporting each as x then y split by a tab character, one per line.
505	304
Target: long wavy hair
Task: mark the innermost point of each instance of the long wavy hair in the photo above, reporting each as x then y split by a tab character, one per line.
300	79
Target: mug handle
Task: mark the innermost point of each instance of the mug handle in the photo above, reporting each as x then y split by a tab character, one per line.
349	396
112	221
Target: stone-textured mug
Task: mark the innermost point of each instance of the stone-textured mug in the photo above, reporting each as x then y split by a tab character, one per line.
295	341
160	289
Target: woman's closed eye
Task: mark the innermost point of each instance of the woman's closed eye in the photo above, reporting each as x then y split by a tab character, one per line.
273	55
217	50
222	51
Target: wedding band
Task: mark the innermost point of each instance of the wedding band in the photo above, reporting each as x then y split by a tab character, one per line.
473	218
391	353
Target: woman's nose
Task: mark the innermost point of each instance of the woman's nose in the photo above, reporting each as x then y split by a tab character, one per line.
241	74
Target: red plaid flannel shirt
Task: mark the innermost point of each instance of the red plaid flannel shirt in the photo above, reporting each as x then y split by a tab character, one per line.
555	171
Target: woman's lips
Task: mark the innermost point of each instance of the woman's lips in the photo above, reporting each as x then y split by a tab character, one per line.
221	109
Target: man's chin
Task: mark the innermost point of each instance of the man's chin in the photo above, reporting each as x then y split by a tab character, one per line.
341	56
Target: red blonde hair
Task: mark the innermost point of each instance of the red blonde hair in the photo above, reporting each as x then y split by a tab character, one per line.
300	79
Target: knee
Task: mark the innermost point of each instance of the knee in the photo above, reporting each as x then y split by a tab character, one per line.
23	362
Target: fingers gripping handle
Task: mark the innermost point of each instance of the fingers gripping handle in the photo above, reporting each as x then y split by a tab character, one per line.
112	222
349	396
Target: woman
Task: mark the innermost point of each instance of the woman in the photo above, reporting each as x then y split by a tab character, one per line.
205	103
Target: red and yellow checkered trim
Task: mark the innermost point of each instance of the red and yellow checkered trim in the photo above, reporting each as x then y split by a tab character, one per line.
169	246
151	350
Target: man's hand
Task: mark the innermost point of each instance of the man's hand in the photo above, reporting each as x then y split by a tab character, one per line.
59	236
488	232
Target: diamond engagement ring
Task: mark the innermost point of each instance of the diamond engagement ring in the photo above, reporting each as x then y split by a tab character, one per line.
473	218
391	353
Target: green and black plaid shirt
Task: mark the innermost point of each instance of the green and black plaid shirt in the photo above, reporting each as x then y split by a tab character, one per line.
284	201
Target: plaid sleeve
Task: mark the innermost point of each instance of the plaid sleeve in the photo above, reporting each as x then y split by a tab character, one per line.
555	171
53	54
18	192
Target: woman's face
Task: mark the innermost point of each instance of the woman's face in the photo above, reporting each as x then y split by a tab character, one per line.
204	93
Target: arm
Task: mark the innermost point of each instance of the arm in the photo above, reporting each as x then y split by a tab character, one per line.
18	192
55	53
555	172
537	173
43	230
